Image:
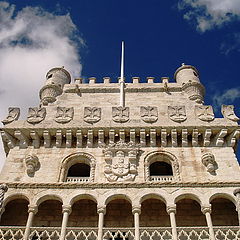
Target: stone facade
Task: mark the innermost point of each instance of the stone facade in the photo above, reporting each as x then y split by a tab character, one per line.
161	122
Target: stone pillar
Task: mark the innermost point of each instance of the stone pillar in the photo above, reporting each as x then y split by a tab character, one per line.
101	212
236	192
206	210
136	212
171	210
32	210
66	210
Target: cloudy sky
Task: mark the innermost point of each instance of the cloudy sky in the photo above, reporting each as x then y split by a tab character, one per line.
84	36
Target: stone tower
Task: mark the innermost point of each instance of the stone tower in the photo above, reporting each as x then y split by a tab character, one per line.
81	166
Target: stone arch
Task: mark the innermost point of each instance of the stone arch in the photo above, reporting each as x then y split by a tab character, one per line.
188	196
83	196
165	157
48	197
223	195
78	157
115	196
153	196
14	196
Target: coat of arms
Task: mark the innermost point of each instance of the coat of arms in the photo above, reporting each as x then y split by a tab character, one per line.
120	114
36	115
204	113
13	115
177	113
121	161
149	114
228	112
64	114
92	114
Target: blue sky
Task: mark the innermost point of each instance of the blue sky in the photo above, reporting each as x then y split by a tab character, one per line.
85	36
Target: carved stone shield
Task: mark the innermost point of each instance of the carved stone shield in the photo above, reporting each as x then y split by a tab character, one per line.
204	113
13	115
149	114
36	115
177	113
92	114
120	114
228	112
64	114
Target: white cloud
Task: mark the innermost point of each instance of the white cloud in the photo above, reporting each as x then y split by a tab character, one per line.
228	97
209	14
32	41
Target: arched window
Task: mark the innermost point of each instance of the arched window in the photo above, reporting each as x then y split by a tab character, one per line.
78	167
161	166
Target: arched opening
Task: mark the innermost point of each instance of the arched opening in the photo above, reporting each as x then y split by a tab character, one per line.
119	214
16	213
79	170
49	214
154	214
84	214
160	169
189	214
224	212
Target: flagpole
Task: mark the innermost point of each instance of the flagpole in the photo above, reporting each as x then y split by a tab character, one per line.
122	83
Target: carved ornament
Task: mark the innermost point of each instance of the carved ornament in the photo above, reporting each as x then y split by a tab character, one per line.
209	162
121	161
120	114
32	164
92	114
177	113
149	114
36	115
64	114
204	113
228	112
13	115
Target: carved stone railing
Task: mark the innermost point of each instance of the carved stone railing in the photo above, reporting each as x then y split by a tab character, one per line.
227	232
118	233
161	178
81	233
13	233
78	179
46	233
152	233
196	233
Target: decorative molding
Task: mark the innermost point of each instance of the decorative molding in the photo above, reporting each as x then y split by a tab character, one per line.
204	113
228	112
206	209
64	114
92	114
121	161
209	162
3	190
120	114
32	164
36	115
171	209
149	114
13	115
177	113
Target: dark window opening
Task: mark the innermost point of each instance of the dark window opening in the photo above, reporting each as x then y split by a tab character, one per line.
79	170
160	169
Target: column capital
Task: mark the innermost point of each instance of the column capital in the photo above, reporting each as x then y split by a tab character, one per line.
206	209
4	187
136	209
33	209
67	209
101	209
236	192
171	208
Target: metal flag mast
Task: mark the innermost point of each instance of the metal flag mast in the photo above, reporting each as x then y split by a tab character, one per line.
122	83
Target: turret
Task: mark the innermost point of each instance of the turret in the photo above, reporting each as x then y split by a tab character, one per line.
56	78
188	77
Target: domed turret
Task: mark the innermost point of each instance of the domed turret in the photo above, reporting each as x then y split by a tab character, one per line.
56	78
188	77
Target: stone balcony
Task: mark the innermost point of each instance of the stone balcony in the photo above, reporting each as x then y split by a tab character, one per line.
78	179
146	233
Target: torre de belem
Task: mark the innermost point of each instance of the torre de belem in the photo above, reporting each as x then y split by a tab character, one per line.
121	160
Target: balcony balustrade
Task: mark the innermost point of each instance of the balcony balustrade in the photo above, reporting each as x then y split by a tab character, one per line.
161	178
146	233
78	179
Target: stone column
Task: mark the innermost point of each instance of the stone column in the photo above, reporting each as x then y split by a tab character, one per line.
136	212
66	210
206	210
236	192
171	210
101	212
32	210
